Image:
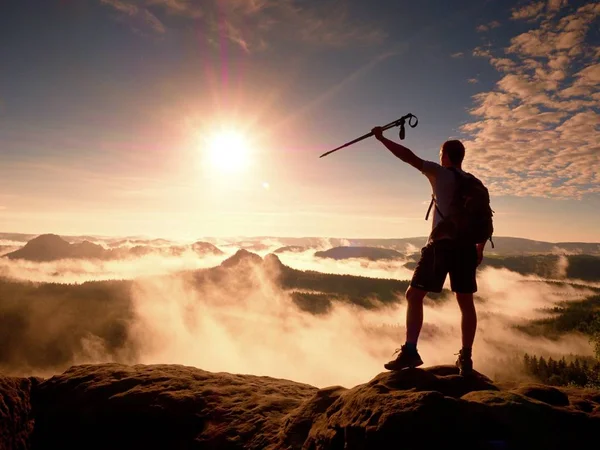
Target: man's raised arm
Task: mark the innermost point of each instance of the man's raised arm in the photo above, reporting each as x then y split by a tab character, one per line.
402	152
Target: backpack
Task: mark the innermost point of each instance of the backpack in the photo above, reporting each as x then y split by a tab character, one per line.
470	218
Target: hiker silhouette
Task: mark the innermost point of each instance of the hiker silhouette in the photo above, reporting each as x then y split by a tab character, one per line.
454	247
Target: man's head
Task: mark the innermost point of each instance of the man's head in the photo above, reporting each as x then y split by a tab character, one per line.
452	153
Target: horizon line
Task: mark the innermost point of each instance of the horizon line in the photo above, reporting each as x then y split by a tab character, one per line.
99	236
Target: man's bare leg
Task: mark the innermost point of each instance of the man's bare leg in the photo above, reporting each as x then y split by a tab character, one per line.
409	356
468	322
414	313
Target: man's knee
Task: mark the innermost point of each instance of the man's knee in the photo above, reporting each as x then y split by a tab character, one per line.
465	301
415	295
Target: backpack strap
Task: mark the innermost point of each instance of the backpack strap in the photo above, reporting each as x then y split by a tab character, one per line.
457	177
433	202
430	205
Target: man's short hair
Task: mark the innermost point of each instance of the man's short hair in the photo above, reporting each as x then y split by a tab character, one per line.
455	151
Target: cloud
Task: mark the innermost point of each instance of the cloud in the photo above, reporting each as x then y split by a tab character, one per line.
151	20
139	18
121	6
530	11
254	25
457	55
488	26
542	111
185	8
538	10
482	52
473	80
589	76
259	23
555	5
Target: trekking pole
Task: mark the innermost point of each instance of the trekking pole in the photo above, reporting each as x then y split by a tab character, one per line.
395	123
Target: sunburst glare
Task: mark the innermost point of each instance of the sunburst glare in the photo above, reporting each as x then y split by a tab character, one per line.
227	151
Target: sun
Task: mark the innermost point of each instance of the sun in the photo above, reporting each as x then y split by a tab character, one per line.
227	151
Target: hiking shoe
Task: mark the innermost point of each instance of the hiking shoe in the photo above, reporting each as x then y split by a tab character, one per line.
464	363
406	358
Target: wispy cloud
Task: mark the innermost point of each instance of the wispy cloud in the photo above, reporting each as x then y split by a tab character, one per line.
488	26
185	8
482	51
254	25
124	7
542	112
473	80
258	23
138	17
457	55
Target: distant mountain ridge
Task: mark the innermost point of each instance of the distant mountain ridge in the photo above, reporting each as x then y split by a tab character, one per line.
292	249
51	247
371	253
504	245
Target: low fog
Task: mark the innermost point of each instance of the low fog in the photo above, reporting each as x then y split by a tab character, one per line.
162	316
352	266
260	331
79	271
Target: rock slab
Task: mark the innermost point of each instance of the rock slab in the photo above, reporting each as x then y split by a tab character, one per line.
179	407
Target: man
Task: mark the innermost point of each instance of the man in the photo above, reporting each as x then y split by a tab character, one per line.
442	255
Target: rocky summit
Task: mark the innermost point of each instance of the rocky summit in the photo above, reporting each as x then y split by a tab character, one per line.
178	407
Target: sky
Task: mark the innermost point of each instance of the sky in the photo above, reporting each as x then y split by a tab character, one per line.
187	118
